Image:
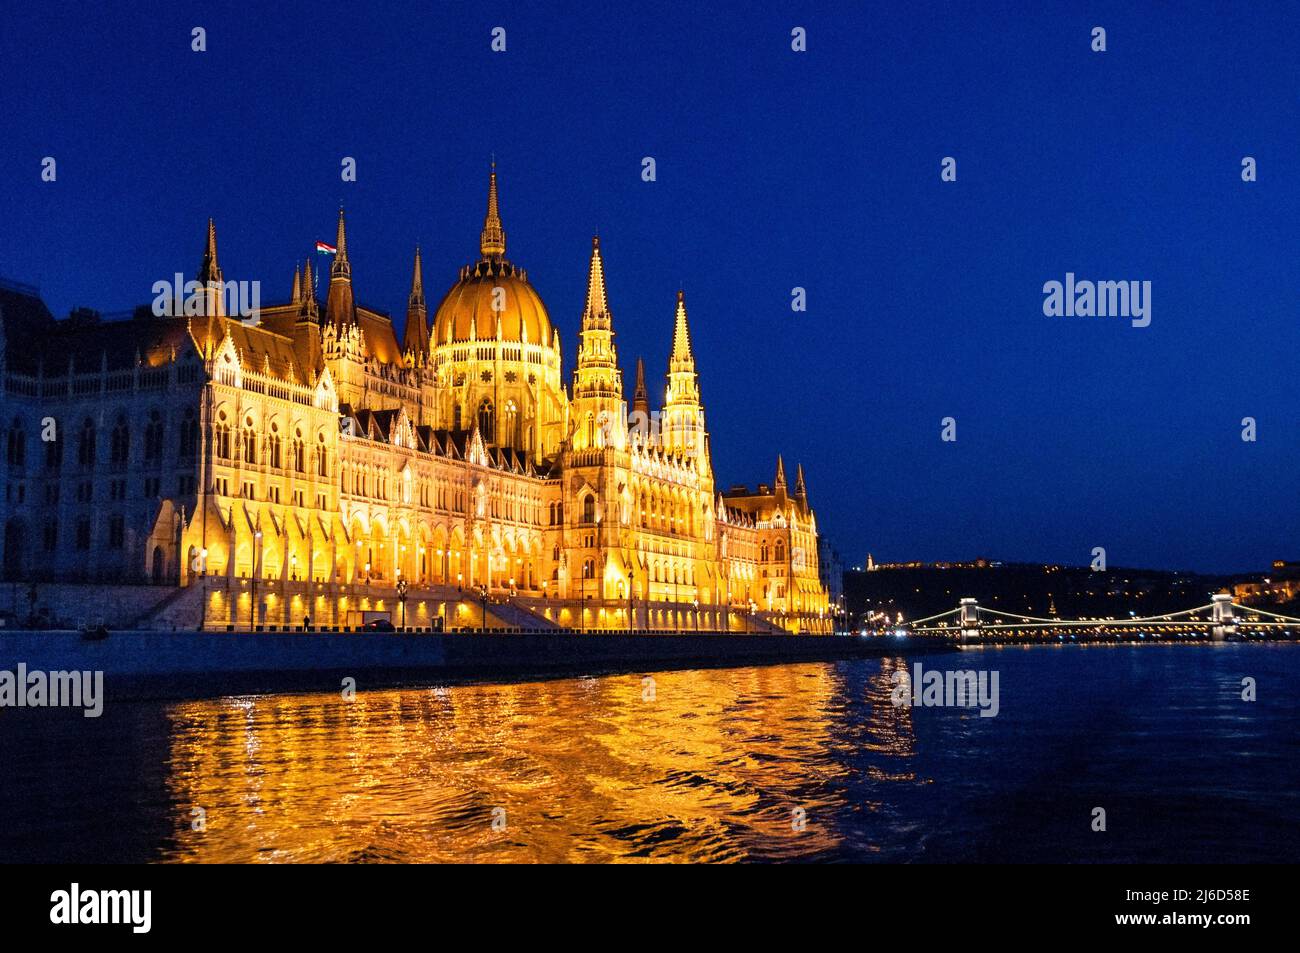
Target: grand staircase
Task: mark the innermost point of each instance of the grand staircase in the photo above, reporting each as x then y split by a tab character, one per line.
511	615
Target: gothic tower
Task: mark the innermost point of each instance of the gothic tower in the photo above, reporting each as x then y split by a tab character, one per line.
682	422
210	276
416	338
340	309
598	410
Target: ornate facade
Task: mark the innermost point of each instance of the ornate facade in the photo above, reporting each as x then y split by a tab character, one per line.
306	464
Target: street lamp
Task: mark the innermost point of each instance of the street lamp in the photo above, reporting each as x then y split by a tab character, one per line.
483	594
631	606
695	604
401	597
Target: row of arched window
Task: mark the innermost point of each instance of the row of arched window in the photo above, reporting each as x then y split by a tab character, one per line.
86	437
275	446
660	511
509	434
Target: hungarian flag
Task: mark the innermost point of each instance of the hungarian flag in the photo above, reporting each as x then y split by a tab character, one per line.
323	249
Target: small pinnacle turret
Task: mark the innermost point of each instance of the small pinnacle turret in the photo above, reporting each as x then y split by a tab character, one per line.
640	399
308	309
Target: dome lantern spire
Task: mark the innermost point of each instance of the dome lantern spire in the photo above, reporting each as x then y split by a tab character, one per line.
492	241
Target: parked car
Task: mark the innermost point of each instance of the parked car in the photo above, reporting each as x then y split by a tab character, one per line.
379	625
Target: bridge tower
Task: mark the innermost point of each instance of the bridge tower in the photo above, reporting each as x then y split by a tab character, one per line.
970	620
1225	620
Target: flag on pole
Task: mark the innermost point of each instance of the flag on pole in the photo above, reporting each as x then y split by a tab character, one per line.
323	249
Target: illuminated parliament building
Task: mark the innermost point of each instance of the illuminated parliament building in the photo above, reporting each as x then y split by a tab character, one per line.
305	463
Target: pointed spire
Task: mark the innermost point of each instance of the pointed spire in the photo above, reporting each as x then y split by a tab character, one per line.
210	270
340	308
780	472
416	337
597	302
640	400
492	241
417	281
297	285
800	490
681	333
342	268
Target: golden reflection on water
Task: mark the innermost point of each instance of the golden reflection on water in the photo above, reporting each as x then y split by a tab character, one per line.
698	765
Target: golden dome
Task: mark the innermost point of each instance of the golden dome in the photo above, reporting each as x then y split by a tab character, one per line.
470	304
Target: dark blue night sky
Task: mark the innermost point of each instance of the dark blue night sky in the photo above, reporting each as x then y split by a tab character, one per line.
775	170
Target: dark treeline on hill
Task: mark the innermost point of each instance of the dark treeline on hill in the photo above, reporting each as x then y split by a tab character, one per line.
1067	592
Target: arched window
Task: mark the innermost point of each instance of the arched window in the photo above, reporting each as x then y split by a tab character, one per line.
153	437
591	430
119	447
273	446
223	436
189	436
485	420
299	458
54	452
86	444
322	461
589	509
248	446
455	424
510	425
780	550
17	444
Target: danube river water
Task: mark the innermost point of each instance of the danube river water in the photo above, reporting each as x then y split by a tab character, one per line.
803	762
